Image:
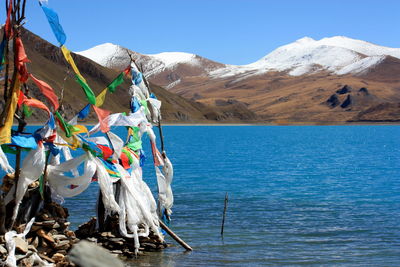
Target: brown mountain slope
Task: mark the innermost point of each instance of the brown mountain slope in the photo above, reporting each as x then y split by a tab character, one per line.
280	98
47	63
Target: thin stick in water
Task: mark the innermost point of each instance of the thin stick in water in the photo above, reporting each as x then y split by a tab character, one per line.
224	215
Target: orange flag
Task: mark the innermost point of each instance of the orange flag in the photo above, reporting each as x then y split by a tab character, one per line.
47	91
102	114
35	103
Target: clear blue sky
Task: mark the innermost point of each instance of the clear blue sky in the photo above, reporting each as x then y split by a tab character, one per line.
228	31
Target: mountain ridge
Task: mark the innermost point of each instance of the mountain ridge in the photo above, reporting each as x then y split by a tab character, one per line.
292	84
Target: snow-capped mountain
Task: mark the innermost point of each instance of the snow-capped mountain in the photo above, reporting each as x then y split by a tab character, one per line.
117	57
339	55
292	83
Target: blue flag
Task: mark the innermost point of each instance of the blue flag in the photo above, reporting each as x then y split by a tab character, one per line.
55	25
26	141
137	77
135	106
84	112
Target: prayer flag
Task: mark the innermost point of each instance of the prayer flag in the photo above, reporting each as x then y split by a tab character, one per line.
89	93
5	131
117	81
47	91
84	112
70	60
55	25
102	114
101	98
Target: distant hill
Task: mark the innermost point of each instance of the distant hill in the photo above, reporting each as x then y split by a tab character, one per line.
293	84
47	63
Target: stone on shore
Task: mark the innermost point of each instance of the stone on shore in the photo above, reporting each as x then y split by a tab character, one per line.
88	254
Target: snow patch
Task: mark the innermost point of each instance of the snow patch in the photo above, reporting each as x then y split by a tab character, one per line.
361	66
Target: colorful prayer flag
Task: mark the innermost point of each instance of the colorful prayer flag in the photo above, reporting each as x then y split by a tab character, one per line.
101	98
47	91
55	25
89	93
102	114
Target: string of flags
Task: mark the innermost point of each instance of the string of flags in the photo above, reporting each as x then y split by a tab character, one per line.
107	159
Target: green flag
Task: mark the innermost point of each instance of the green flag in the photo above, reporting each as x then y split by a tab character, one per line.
89	93
117	81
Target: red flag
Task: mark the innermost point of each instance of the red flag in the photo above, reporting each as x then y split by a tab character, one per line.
8	24
125	161
47	91
21	98
127	70
102	114
157	157
107	152
22	58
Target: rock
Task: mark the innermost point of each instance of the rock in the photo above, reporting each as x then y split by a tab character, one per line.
56	225
116	239
43	244
70	234
87	229
63	245
35	242
57	257
34	228
44	257
64	252
59	237
347	102
89	255
363	91
53	232
20	257
107	234
333	101
27	262
45	217
3	250
149	245
45	236
32	248
49	223
344	90
21	245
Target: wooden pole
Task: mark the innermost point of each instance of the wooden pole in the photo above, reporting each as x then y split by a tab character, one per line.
175	236
224	214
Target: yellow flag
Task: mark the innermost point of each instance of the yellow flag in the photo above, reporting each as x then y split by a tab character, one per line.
5	131
70	60
81	129
73	141
101	98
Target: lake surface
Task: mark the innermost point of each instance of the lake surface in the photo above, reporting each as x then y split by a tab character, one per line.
298	195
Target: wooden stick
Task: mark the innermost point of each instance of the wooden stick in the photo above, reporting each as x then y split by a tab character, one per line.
174	236
224	215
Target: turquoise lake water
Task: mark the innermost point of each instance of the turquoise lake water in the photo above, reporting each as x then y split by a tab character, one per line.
298	195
